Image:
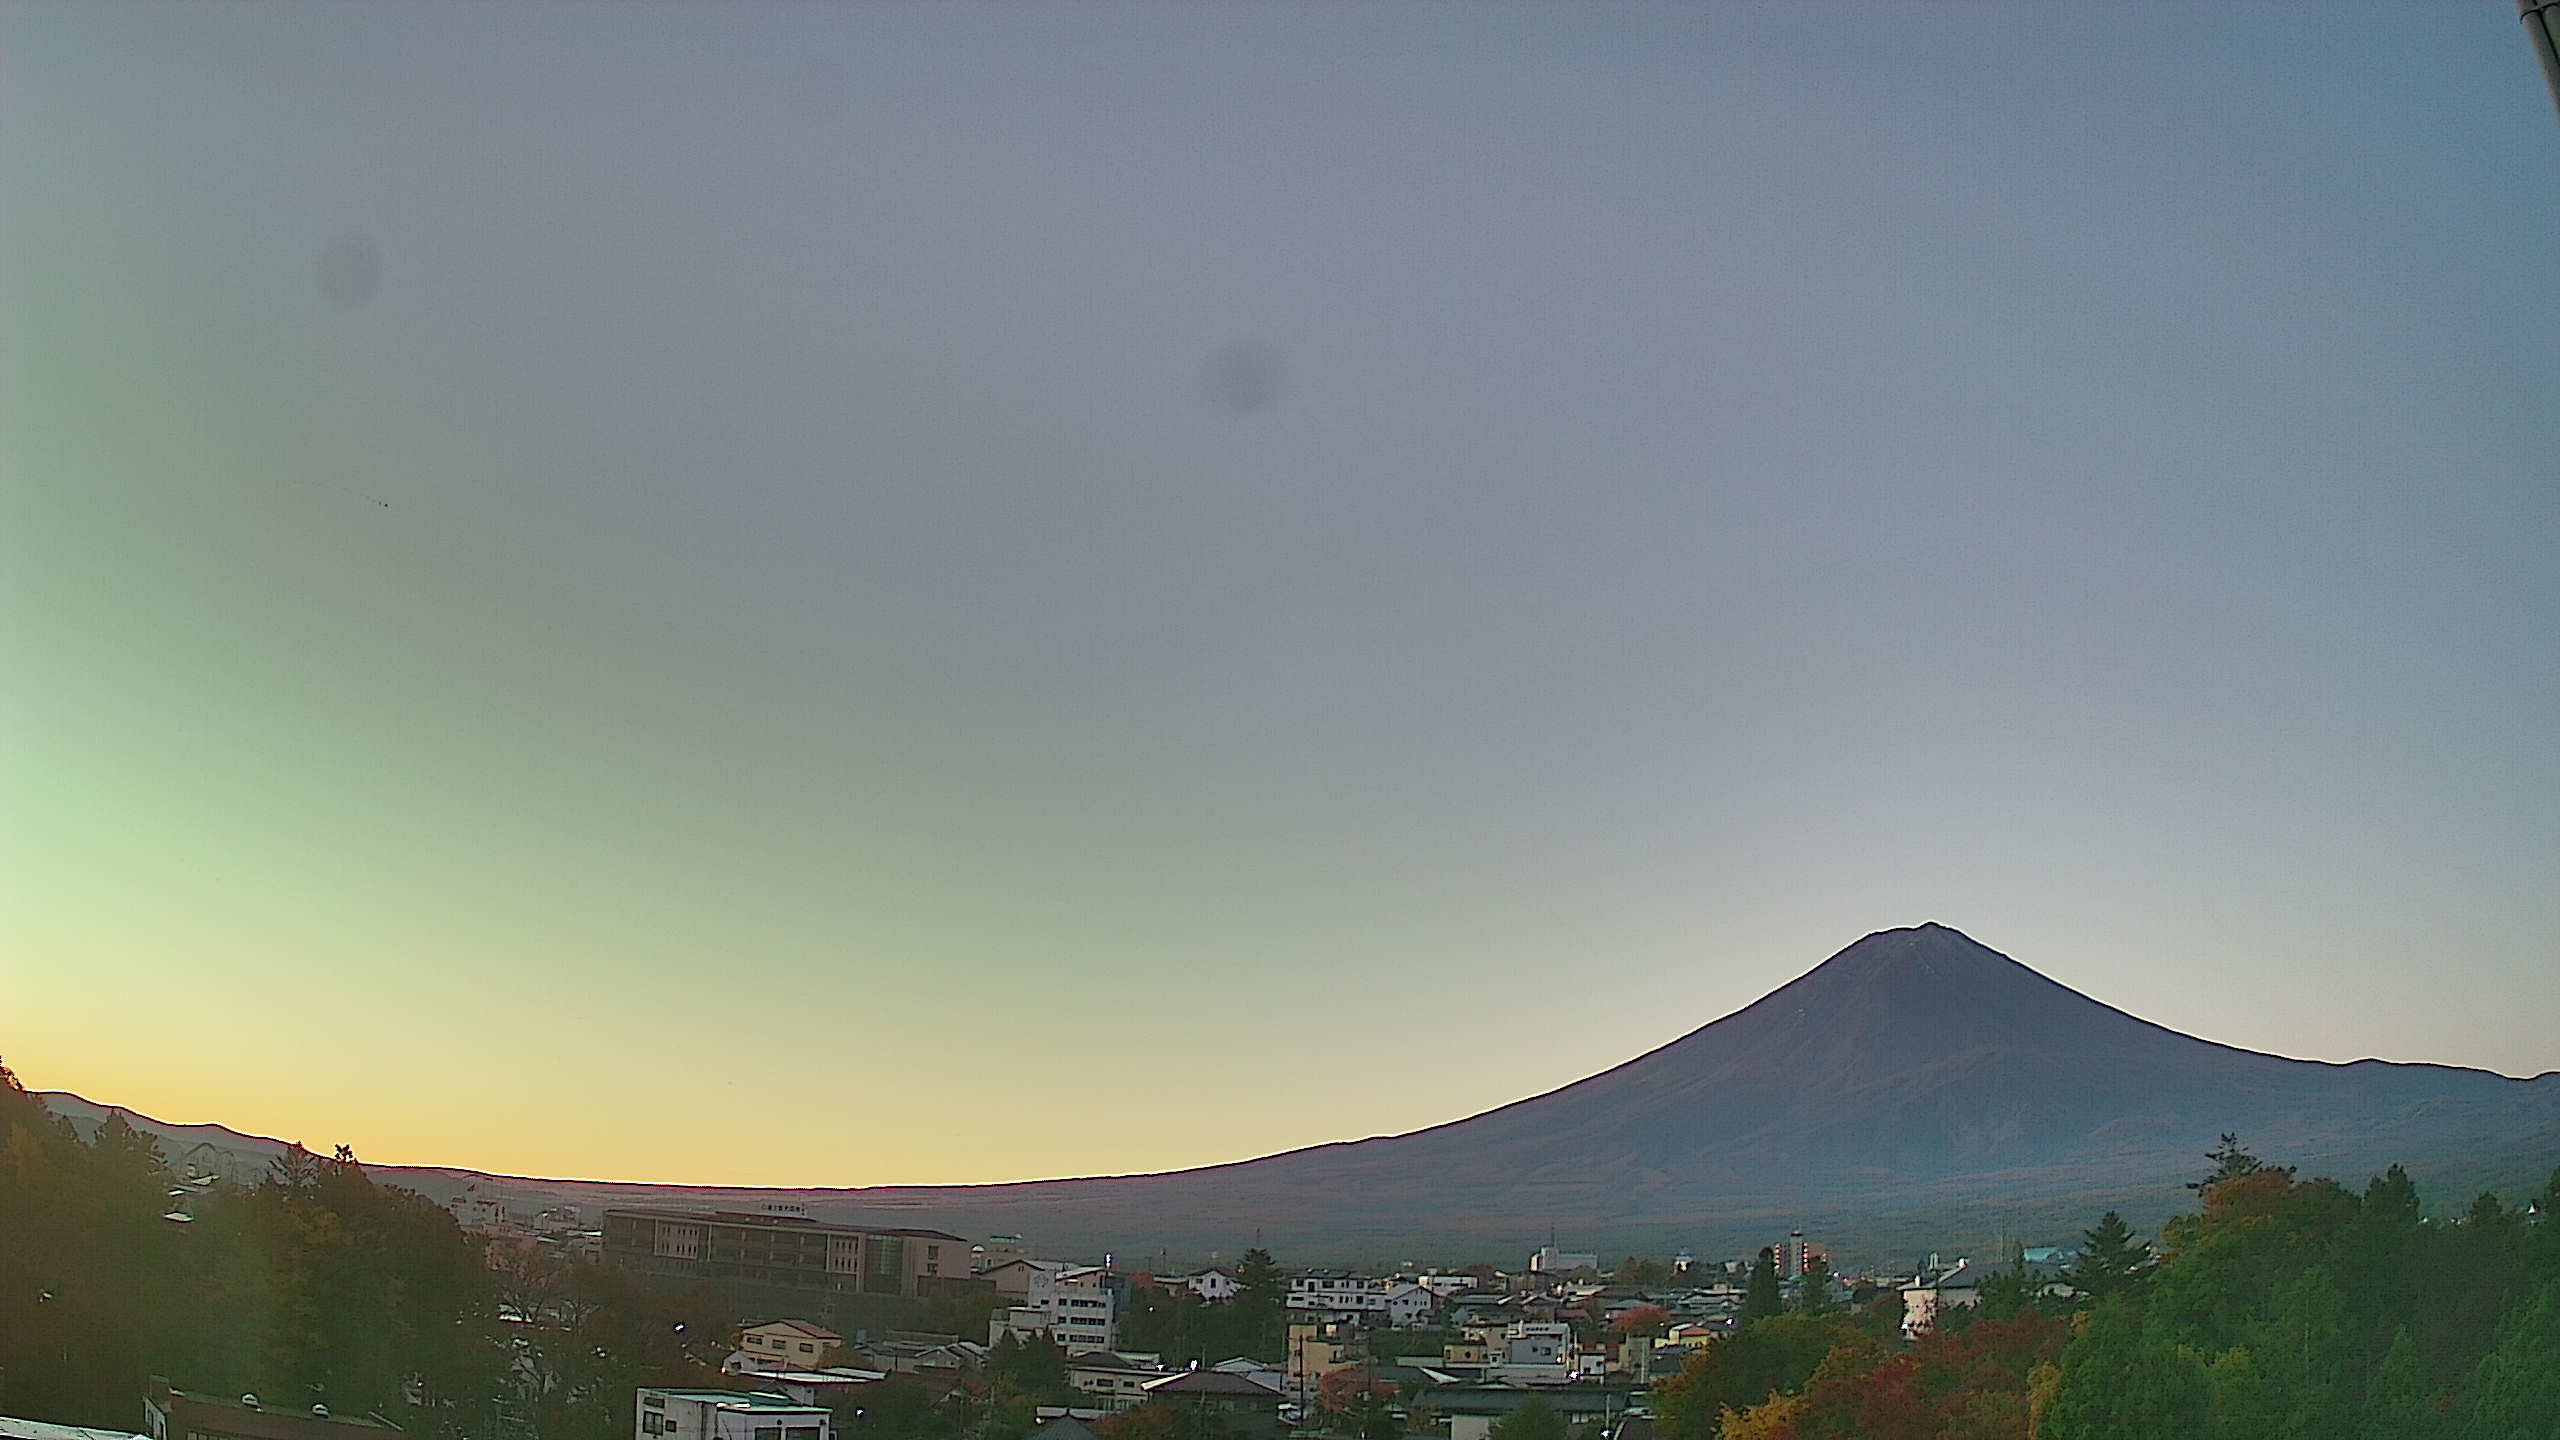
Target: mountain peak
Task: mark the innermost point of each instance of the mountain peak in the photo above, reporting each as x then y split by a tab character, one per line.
1919	953
1928	979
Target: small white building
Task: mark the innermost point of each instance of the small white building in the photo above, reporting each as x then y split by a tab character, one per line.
1551	1261
1213	1286
1445	1286
726	1415
1925	1299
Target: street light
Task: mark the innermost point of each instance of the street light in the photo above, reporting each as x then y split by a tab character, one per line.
2542	31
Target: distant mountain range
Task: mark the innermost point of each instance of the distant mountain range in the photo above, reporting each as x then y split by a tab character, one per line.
1915	1091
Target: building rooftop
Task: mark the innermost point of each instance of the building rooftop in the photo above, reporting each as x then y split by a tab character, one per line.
13	1428
244	1418
814	1332
731	1399
1211	1382
757	1217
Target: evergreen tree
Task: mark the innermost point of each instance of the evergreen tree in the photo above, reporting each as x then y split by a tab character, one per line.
2231	1162
2515	1392
1762	1298
1261	1305
2111	1260
1817	1298
2392	1197
2396	1403
1535	1420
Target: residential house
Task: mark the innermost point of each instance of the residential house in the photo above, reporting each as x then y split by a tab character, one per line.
1259	1371
1065	1427
1012	1277
1226	1402
1213	1286
1925	1299
726	1415
1314	1354
1117	1382
1537	1342
1446	1286
788	1345
938	1363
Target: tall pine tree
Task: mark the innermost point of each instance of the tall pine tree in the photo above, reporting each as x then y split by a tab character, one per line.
2111	1260
1762	1298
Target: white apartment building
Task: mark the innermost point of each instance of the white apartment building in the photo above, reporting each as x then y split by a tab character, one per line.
1398	1302
726	1415
1078	1305
1551	1261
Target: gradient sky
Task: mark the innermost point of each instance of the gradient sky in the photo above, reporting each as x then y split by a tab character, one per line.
833	595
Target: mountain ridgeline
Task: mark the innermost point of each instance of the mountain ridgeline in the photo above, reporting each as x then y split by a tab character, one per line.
1918	1089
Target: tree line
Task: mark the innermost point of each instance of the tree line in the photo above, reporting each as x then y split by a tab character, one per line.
2282	1309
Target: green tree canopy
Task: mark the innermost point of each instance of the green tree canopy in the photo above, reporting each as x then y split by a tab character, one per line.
1535	1420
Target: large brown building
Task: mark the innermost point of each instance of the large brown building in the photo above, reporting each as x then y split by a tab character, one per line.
786	1250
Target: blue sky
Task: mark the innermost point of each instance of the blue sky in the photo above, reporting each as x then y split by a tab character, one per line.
533	521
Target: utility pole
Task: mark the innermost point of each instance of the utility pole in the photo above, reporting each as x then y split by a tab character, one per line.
2542	31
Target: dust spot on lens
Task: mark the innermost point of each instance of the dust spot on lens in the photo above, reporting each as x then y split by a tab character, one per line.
350	270
1245	376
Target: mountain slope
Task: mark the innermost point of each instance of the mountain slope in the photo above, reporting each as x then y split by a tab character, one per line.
1914	1082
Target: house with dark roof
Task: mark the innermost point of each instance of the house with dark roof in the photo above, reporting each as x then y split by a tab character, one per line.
1065	1427
1237	1403
1114	1380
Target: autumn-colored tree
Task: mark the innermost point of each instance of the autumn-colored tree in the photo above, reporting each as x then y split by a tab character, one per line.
1338	1391
1771	1419
1642	1320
